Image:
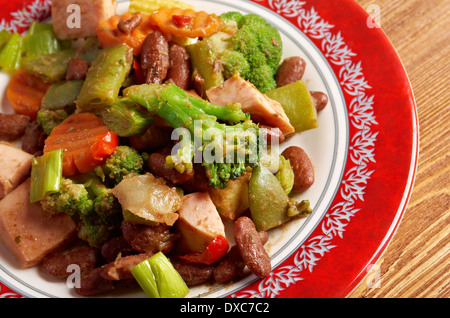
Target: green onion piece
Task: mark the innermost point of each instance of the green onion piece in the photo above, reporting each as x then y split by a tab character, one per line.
46	174
11	53
159	279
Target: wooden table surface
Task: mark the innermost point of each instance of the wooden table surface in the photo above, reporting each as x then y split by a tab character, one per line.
416	264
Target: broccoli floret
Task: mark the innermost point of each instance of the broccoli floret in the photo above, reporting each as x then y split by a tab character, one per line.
71	199
226	132
254	50
123	161
90	203
48	119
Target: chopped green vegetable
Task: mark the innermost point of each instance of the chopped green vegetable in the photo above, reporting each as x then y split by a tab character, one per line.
105	78
126	118
159	279
62	94
248	45
285	174
228	149
51	67
297	104
10	55
49	119
124	161
270	206
4	37
41	40
46	174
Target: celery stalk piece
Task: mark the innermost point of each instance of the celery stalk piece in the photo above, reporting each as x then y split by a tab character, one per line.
4	37
46	174
146	279
50	67
42	40
11	53
127	118
159	279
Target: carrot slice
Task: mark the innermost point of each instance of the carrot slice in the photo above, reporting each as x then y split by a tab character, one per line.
186	22
86	142
25	93
109	35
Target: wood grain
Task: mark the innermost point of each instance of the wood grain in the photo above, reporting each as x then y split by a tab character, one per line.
416	264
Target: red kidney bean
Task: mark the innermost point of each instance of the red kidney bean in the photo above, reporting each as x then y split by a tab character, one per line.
290	71
320	100
251	248
301	166
128	26
77	69
193	273
56	265
155	57
179	72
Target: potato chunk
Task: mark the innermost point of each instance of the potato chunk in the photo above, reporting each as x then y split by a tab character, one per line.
29	232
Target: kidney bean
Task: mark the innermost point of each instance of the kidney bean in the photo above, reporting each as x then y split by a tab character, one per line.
156	163
320	100
251	248
13	126
111	248
33	139
290	71
179	72
301	166
155	57
77	69
56	265
92	283
231	267
149	239
193	273
128	26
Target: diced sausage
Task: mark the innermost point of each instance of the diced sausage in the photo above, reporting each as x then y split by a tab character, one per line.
65	17
28	231
261	108
155	57
15	167
199	223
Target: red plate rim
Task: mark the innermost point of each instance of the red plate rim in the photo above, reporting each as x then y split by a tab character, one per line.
375	189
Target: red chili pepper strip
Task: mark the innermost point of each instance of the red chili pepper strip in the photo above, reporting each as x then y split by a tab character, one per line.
213	252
